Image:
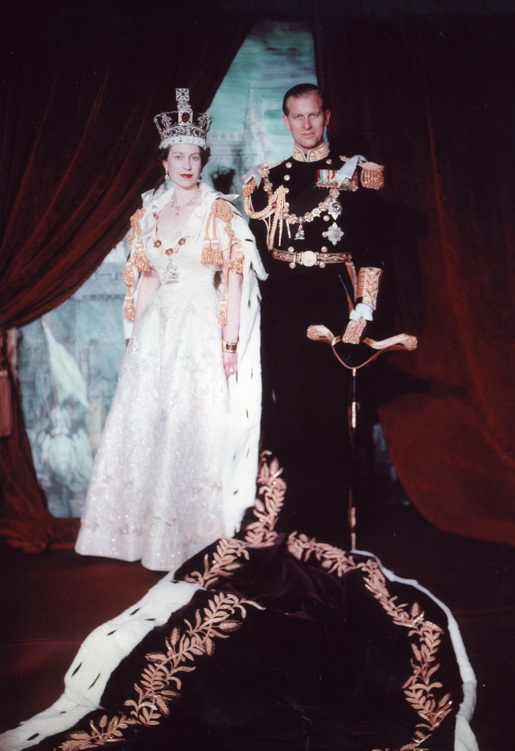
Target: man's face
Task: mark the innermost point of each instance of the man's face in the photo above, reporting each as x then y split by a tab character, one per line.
306	121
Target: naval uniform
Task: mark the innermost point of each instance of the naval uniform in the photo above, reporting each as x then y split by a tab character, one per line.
314	238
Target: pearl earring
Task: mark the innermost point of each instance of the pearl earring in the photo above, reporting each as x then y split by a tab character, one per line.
167	174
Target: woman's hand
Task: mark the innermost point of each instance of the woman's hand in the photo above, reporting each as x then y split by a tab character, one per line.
230	360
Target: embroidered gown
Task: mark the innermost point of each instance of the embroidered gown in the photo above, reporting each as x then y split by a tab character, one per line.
177	462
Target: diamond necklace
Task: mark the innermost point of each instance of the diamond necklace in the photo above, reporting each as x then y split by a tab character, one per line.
176	209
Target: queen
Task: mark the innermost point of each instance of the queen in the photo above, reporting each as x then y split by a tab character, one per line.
178	457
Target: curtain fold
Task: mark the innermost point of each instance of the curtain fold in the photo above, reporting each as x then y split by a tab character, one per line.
81	84
429	95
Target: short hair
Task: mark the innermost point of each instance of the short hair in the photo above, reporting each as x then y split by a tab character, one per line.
301	90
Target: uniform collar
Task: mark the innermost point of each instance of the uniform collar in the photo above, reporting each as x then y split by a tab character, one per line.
312	156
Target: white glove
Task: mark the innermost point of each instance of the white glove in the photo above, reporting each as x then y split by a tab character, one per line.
362	310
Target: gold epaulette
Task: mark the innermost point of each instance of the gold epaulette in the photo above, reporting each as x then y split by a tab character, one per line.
250	186
371	173
275	164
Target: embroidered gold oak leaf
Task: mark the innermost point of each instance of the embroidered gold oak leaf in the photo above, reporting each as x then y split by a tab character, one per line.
164	668
272	488
425	636
224	561
215	621
105	732
331	558
418	738
260	533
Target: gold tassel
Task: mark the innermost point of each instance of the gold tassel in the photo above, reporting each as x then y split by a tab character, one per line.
140	258
138	255
236	264
211	254
128	307
128	274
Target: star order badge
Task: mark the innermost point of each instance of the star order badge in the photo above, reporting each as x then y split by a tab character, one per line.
334	234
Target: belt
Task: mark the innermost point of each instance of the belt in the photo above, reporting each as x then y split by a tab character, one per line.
310	258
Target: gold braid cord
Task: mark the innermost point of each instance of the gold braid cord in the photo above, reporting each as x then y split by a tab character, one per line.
275	210
213	256
368	285
419	689
137	260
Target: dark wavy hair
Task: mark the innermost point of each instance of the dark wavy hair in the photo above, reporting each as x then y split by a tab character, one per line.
302	89
162	154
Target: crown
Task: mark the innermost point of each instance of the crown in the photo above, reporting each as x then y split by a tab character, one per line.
183	125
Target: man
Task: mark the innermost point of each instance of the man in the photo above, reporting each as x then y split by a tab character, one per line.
321	247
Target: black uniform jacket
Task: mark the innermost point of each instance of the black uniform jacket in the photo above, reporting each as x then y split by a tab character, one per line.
354	228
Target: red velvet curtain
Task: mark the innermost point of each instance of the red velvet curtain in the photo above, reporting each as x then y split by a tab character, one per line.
432	95
81	82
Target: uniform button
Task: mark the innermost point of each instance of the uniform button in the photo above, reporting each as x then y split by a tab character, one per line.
288	165
326	217
286	177
324	248
328	161
291	248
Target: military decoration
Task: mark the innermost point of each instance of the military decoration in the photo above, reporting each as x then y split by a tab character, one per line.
334	209
334	234
299	235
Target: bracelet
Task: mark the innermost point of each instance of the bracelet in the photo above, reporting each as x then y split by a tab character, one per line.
229	346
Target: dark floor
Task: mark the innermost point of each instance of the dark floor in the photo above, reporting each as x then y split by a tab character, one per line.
50	602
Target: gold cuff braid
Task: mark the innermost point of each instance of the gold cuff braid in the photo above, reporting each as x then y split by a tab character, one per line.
368	285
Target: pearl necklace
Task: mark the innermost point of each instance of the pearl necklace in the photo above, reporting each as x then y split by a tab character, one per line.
176	209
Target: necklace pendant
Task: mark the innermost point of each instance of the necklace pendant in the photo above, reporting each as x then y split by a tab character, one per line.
171	273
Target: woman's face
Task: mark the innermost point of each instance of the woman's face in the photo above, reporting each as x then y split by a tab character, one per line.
184	165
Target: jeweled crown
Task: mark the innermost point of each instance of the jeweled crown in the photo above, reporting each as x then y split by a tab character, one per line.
183	125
